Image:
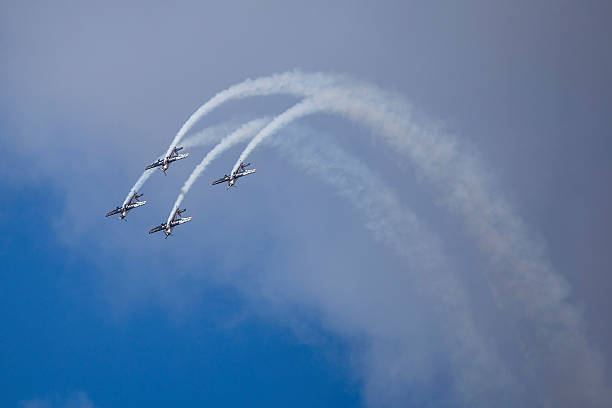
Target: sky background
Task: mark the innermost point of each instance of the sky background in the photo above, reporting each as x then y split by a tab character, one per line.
278	293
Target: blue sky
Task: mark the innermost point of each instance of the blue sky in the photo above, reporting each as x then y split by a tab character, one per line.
61	338
362	280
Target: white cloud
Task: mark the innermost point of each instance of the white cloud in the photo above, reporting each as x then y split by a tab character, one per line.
77	399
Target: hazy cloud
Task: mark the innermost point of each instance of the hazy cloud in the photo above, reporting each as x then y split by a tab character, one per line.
77	399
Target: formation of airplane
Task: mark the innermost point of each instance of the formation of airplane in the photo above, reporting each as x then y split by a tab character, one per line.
176	220
240	172
165	162
123	210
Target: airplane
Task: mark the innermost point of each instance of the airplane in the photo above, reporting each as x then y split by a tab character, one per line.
240	172
165	162
123	210
176	220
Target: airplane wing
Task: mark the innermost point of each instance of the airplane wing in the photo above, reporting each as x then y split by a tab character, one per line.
180	221
178	157
136	204
221	180
245	173
153	165
158	228
113	212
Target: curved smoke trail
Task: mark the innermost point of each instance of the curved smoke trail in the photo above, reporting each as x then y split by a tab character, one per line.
293	83
519	270
211	134
400	229
290	83
242	133
303	108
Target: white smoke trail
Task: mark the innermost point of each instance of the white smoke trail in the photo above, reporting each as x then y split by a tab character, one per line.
519	272
293	83
303	108
242	133
211	134
141	180
400	229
